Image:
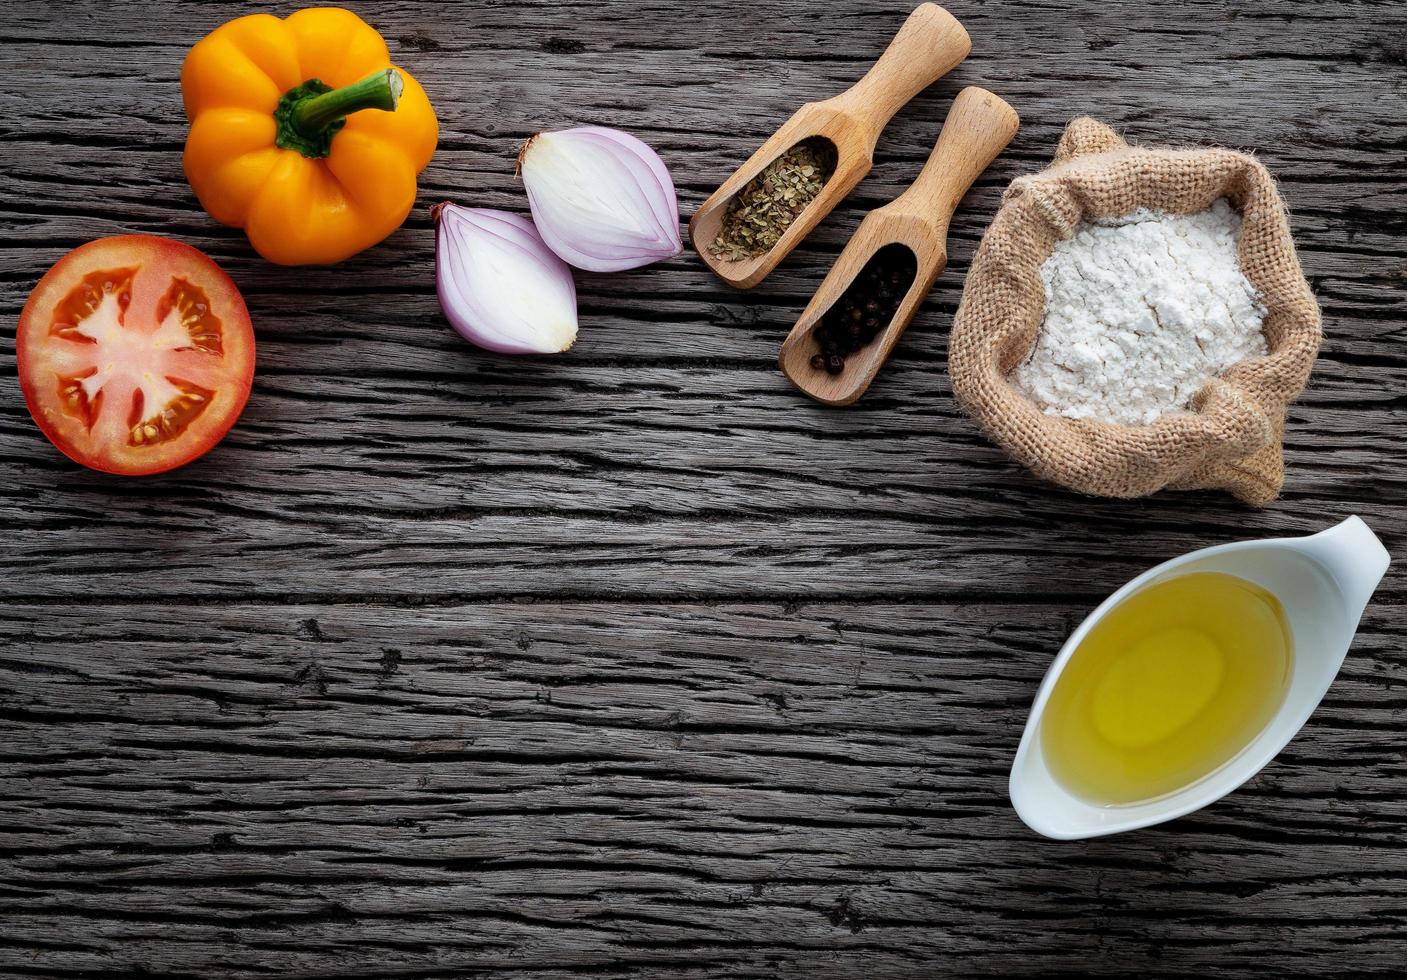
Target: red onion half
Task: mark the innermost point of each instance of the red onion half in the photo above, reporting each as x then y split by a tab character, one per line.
500	285
603	200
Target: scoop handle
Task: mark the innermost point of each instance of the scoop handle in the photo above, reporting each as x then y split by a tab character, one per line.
978	127
929	45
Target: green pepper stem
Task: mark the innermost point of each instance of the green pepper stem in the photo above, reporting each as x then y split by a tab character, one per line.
379	90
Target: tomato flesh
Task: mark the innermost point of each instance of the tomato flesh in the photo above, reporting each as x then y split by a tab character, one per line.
135	354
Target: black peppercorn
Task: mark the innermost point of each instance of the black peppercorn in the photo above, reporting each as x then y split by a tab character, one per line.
867	306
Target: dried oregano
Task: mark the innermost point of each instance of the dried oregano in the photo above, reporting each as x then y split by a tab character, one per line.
759	213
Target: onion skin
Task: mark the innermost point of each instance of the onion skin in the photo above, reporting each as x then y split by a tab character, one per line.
602	199
500	286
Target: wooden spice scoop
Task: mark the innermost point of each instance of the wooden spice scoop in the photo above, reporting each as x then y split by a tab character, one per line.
929	45
978	127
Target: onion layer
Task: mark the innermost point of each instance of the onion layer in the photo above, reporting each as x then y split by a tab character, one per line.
603	200
500	285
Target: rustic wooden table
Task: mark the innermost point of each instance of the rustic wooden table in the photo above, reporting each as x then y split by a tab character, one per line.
632	661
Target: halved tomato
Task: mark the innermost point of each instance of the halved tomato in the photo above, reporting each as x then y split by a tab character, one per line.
135	354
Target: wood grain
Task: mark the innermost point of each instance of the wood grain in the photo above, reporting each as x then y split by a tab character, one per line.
978	127
634	661
929	44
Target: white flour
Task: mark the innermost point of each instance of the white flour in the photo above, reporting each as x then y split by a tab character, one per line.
1141	311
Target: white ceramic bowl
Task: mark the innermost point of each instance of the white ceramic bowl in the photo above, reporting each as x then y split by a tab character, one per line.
1323	581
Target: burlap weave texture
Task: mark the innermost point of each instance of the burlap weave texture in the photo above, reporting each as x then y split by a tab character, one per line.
1231	437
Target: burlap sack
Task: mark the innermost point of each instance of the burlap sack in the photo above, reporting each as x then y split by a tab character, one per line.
1231	439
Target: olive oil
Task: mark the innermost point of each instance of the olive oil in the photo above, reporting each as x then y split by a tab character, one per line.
1169	686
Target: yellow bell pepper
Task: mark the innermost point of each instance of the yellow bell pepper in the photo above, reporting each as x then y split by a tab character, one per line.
304	134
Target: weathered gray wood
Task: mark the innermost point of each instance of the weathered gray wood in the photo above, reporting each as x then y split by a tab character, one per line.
631	661
641	785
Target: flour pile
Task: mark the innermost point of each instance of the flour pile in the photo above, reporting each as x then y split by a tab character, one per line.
1141	311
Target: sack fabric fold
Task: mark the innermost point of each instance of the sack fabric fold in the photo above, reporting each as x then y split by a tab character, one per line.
1231	436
